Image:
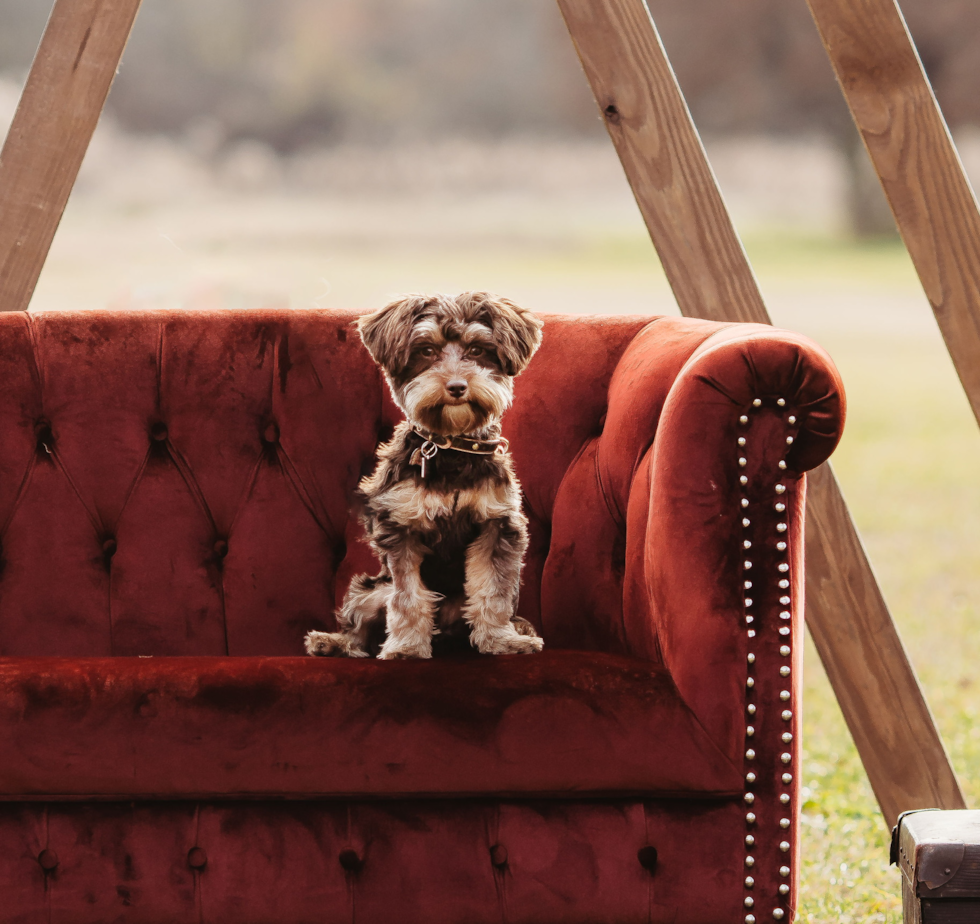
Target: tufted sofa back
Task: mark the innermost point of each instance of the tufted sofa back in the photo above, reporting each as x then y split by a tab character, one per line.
178	483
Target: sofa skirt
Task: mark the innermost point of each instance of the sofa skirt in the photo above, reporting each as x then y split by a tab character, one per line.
431	862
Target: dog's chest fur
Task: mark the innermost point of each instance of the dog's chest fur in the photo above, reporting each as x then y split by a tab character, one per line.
444	511
427	510
458	488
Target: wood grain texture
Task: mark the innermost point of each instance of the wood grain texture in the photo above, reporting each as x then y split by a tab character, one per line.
903	129
664	159
59	109
710	275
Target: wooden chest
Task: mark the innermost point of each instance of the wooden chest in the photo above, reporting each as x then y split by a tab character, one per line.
939	855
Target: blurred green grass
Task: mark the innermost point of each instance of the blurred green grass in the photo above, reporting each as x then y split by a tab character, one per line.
910	469
781	254
794	255
909	465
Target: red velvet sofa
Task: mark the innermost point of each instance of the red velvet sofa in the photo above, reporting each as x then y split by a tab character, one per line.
174	499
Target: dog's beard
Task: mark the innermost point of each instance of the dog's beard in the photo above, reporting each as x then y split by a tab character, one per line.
424	401
459	418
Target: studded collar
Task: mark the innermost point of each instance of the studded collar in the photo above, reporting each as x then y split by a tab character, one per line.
463	443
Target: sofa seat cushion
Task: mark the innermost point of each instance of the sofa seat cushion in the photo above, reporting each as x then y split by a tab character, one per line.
561	723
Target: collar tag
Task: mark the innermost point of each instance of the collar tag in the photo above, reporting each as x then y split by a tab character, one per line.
426	452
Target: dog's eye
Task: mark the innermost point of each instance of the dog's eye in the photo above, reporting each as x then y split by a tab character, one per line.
475	351
427	351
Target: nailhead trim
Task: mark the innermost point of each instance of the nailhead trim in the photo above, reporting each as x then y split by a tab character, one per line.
783	584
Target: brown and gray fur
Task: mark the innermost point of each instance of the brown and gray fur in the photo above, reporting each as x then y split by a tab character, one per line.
451	545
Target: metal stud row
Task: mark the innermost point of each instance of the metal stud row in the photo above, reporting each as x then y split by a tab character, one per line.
785	651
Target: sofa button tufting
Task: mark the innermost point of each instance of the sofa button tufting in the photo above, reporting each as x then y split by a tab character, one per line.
159	432
220	548
109	548
498	856
44	436
350	860
270	435
648	857
48	859
197	858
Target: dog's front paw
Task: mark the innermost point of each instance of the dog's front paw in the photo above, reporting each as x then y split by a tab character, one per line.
523	627
508	641
523	644
332	645
393	650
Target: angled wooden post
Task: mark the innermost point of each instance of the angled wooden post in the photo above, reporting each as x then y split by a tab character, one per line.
59	109
904	131
709	273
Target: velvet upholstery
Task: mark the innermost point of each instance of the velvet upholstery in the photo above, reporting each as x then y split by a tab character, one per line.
177	486
422	861
567	722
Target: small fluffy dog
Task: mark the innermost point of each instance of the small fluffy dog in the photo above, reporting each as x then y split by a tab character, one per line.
442	509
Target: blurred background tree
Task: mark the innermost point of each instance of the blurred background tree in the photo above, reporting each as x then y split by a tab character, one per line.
758	66
299	73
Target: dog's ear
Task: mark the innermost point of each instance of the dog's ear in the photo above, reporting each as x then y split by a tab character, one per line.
387	333
517	332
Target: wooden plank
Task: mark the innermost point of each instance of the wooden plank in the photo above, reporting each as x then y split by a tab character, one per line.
709	273
59	109
903	129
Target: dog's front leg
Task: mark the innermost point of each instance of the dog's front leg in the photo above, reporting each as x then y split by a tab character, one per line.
493	577
411	606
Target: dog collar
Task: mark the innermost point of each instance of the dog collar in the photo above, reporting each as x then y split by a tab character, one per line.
464	443
433	442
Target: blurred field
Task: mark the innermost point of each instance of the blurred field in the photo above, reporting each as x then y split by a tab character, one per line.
908	464
554	227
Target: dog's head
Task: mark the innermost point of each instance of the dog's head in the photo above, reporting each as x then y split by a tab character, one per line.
450	361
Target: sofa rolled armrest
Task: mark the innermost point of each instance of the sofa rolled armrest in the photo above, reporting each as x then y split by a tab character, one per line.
714	520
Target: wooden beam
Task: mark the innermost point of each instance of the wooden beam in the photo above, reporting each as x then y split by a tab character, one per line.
892	103
59	109
710	275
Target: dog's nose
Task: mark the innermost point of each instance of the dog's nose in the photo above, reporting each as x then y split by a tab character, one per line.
457	388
